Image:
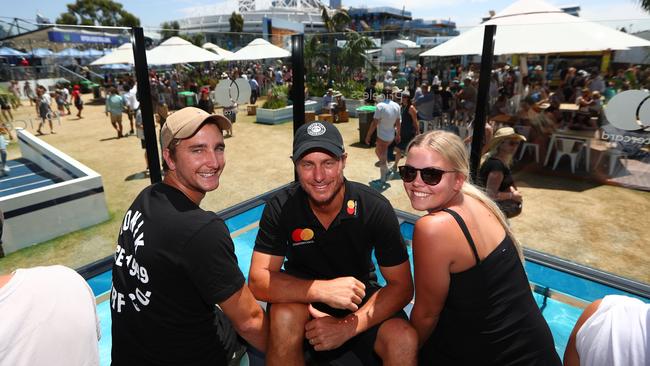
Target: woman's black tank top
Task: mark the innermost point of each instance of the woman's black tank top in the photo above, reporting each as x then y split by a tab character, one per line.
490	316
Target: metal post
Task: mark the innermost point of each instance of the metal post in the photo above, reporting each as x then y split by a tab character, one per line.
482	104
144	96
298	82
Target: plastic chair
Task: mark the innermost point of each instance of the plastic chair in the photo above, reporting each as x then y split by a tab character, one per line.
570	148
615	154
525	131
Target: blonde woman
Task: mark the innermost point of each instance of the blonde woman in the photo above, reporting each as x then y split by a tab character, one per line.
473	304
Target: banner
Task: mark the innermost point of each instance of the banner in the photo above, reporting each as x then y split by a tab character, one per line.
86	37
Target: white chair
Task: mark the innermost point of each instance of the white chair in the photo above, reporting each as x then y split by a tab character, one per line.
570	148
615	154
527	145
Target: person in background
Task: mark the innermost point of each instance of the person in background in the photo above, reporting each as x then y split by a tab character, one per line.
231	113
255	89
3	156
132	104
48	318
473	303
409	129
494	173
29	92
612	331
43	108
386	121
114	108
77	101
370	92
60	103
205	103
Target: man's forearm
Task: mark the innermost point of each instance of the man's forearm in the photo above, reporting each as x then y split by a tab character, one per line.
255	330
382	305
280	287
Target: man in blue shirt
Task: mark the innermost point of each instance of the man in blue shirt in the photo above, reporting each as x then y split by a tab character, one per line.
115	107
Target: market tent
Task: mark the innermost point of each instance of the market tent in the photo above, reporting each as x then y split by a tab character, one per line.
121	55
69	52
41	52
258	49
8	51
216	49
91	52
179	51
535	27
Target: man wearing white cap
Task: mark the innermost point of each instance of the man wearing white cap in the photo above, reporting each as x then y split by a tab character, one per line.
175	261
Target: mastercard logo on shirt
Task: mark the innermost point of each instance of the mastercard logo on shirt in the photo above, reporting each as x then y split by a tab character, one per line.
300	236
351	207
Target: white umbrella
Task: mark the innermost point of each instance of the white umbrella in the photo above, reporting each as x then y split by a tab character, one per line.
216	49
258	49
535	27
179	51
121	55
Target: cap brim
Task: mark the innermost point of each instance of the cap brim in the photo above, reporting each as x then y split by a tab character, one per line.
317	145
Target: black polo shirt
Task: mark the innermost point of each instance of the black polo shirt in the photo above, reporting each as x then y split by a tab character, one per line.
366	221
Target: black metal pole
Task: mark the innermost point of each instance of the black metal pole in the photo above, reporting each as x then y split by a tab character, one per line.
298	82
482	100
146	108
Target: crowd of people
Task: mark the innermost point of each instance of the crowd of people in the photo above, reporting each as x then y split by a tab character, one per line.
180	297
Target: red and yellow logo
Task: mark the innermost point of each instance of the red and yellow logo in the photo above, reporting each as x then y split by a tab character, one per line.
351	207
299	235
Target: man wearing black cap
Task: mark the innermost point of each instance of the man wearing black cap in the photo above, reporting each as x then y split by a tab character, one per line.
175	261
323	229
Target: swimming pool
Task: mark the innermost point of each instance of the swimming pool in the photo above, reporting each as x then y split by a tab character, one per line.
559	294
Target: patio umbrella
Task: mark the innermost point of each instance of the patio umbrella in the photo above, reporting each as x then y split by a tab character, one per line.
216	49
117	67
179	51
535	27
121	55
8	51
258	49
41	52
69	52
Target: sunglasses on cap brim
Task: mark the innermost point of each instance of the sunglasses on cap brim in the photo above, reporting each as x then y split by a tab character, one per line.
430	176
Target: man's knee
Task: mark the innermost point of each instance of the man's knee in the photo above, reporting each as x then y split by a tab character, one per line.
289	320
396	339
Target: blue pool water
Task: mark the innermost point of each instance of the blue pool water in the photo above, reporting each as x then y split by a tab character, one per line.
560	316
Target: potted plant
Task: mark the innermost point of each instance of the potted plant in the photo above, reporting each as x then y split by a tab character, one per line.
276	109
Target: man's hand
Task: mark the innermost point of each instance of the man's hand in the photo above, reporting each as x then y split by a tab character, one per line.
342	293
325	332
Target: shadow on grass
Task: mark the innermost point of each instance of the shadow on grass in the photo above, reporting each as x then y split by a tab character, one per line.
140	175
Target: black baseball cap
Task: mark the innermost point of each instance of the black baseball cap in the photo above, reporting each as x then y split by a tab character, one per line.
317	135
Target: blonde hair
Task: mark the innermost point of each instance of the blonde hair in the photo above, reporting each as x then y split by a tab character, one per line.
453	150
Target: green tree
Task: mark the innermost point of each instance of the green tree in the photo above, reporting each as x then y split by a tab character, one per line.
236	26
645	4
353	55
98	12
196	39
336	23
169	29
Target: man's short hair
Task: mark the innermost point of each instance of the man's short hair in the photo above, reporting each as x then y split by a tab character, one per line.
185	122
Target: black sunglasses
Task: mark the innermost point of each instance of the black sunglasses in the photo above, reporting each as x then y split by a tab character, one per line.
430	176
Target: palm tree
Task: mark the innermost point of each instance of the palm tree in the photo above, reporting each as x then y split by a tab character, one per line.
645	4
353	55
336	23
236	26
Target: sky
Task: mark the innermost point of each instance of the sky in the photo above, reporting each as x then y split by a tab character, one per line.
466	13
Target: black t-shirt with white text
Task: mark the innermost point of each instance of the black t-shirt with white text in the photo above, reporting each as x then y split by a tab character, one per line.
173	263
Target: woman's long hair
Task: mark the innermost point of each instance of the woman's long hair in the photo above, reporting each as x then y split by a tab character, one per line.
453	150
